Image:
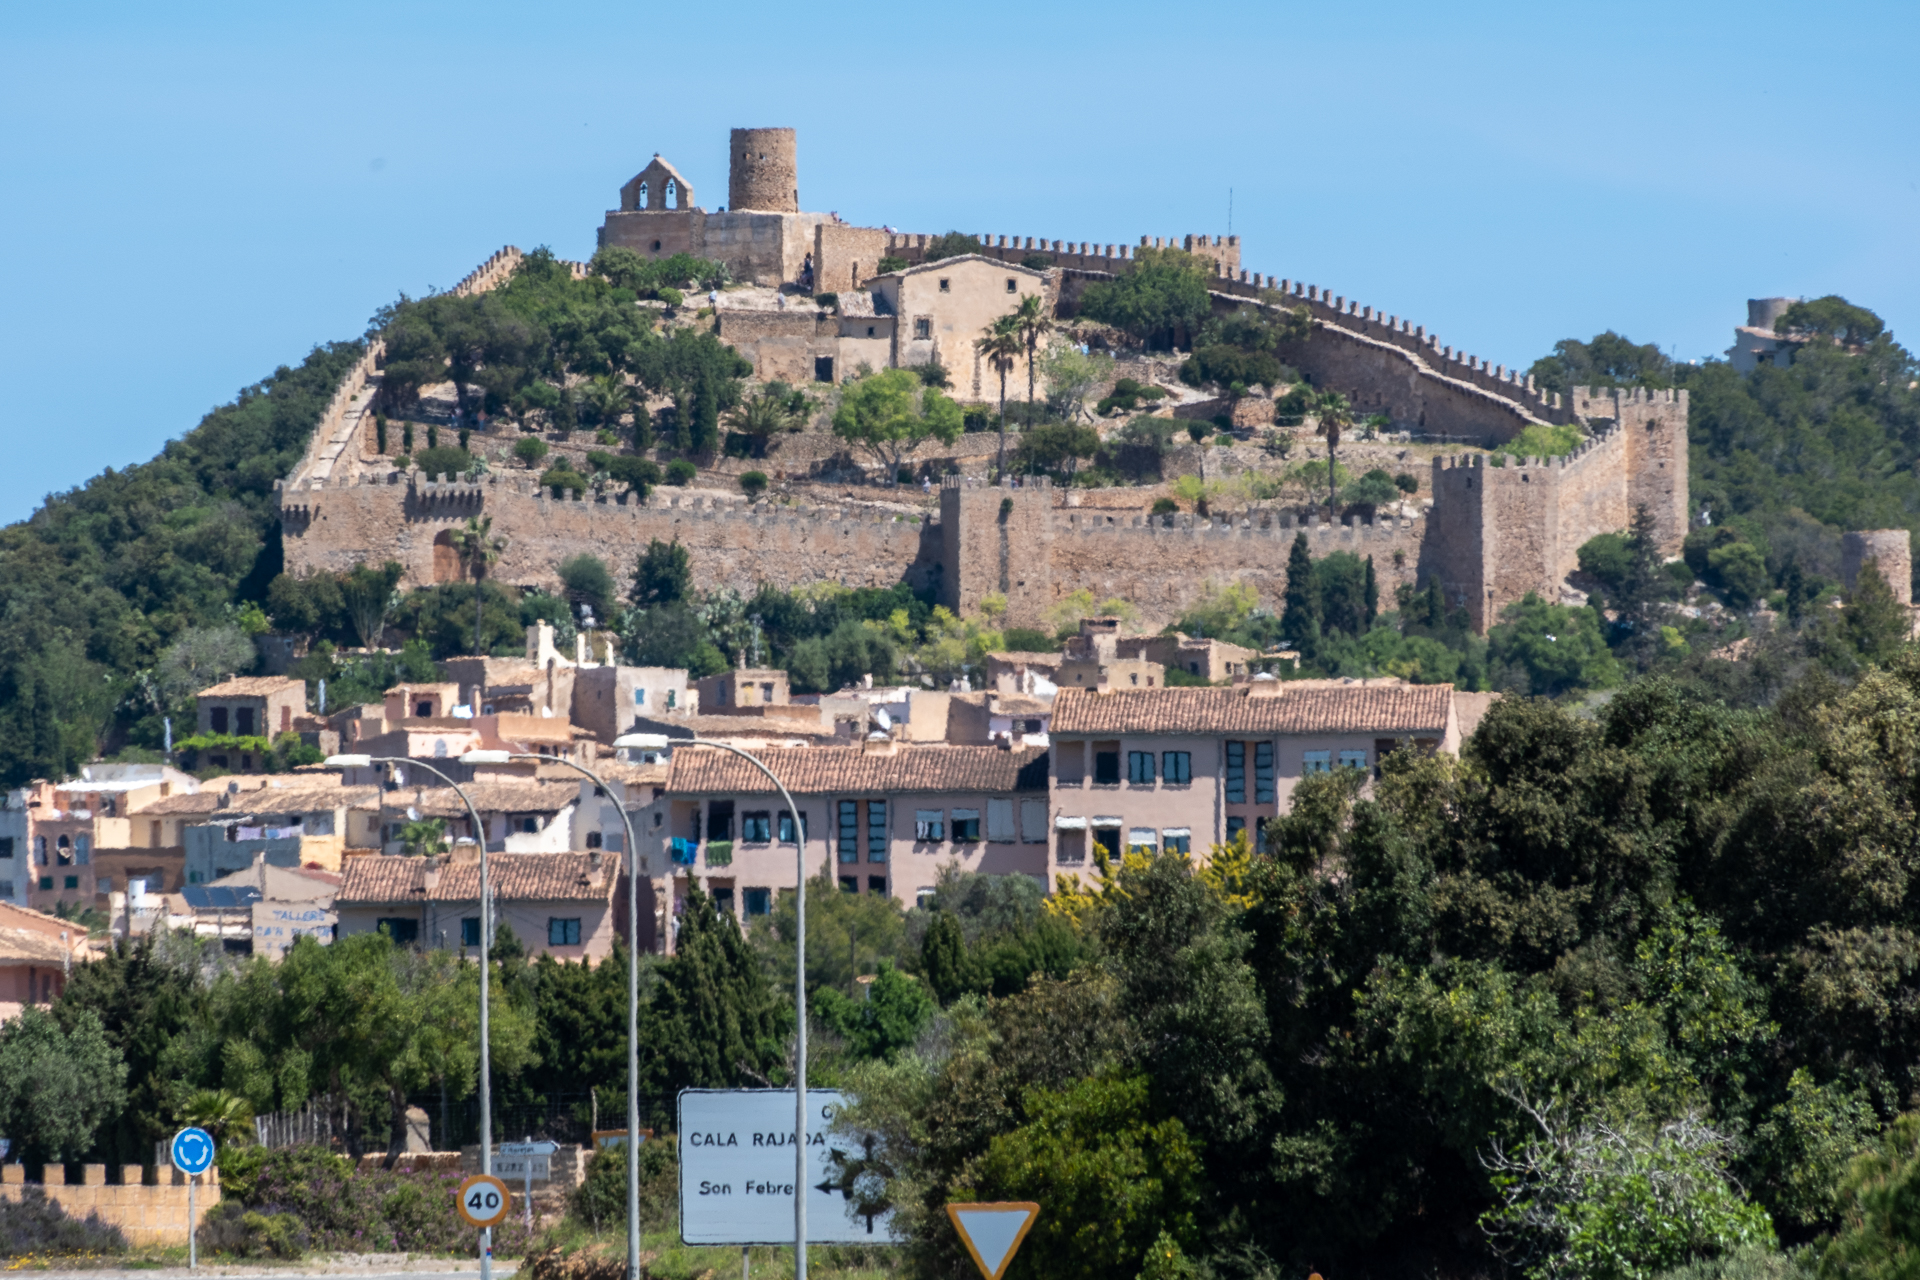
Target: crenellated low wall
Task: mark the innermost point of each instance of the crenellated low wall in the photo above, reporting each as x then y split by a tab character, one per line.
145	1214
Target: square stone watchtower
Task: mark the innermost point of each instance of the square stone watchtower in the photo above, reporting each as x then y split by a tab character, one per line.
997	540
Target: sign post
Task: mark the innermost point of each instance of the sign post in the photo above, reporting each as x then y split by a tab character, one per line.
483	1201
993	1232
737	1157
192	1154
530	1158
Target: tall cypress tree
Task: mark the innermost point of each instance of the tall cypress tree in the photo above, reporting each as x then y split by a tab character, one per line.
719	1022
1372	595
1300	619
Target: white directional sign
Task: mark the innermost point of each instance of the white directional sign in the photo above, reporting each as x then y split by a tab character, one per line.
527	1148
521	1168
736	1171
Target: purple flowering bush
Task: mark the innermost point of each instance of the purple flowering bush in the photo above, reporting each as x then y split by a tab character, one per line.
345	1210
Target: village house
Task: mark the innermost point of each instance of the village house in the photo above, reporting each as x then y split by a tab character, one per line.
249	707
306	826
37	955
881	818
569	906
522	815
59	841
1180	770
940	308
260	910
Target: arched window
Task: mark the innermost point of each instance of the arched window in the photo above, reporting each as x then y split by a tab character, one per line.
672	195
640	197
439	748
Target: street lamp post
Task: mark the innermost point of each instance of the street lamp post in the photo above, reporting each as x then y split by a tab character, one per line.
661	742
633	987
486	931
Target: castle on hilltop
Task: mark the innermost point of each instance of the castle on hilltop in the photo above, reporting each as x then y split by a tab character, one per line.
1493	533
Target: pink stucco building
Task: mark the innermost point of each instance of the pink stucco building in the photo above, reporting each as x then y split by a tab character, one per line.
1188	768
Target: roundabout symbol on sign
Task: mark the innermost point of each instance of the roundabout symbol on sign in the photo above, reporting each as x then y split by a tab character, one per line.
192	1151
483	1200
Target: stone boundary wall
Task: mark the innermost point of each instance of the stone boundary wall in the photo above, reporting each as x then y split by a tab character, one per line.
732	544
146	1215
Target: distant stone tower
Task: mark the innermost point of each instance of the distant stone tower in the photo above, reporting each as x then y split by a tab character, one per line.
763	174
1891	548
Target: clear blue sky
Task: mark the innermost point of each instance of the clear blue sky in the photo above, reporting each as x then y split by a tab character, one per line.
195	194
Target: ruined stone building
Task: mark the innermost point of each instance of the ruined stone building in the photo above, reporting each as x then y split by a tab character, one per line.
1493	533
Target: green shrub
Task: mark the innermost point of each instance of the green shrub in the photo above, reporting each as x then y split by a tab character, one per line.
1027	640
1037	261
232	1228
560	478
670	295
680	473
889	265
1407	482
753	483
443	462
530	450
829	301
1165	506
36	1226
600	1201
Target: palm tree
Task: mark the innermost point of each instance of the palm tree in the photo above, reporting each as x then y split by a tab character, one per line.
424	837
1335	413
479	551
609	399
227	1116
1034	324
1001	345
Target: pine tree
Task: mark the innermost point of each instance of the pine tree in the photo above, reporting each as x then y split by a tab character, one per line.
1300	619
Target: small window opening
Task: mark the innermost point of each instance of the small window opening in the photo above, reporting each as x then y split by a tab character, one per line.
946	286
1013	286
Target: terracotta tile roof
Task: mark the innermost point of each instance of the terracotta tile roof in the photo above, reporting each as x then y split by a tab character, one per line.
1019	704
516	877
1024	658
252	687
832	770
490	797
759	728
303	800
25	946
174	806
1318	708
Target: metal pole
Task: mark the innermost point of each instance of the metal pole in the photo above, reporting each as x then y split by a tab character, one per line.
193	1245
486	932
631	857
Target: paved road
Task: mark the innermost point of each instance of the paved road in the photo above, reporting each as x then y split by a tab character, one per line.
423	1269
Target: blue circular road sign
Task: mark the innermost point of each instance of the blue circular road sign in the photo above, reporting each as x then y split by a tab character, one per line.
192	1150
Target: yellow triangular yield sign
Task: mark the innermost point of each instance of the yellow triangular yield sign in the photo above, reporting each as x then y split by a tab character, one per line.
993	1232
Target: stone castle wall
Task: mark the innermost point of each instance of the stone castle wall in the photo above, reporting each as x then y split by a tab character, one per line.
146	1215
1019	544
1502	531
732	545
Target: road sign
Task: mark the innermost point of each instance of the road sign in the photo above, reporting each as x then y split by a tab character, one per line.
993	1232
528	1148
192	1150
483	1200
526	1167
736	1171
602	1138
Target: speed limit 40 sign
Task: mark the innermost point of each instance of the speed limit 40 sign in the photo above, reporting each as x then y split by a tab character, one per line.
483	1200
